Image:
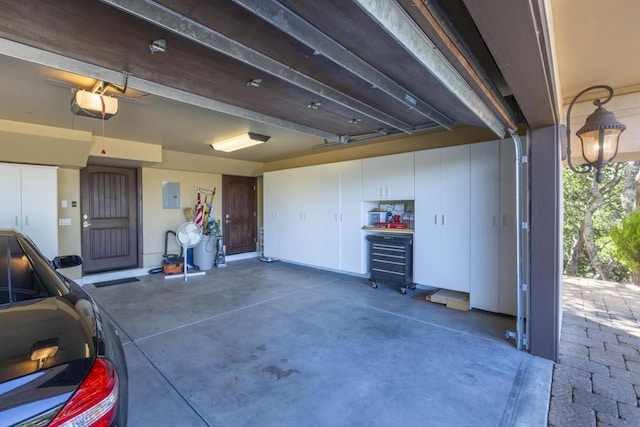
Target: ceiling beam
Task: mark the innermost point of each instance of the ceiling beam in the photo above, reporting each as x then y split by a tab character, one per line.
49	59
184	26
395	21
292	24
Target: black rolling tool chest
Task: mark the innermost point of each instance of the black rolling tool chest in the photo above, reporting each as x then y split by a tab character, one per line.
391	260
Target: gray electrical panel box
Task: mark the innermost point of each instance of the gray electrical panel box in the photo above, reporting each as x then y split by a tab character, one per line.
170	195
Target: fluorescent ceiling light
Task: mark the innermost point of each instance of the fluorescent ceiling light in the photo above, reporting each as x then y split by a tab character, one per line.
94	105
239	142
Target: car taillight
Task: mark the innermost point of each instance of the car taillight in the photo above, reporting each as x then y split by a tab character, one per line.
94	402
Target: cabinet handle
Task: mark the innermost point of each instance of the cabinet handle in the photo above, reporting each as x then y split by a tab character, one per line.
340	217
386	191
435	219
17	220
442	219
26	220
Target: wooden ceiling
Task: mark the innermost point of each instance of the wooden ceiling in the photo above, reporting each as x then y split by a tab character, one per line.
335	69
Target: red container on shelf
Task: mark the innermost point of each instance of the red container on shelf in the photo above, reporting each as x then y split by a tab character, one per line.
398	225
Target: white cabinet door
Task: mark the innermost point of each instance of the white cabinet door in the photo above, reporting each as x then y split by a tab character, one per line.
508	229
30	195
388	177
306	234
484	243
455	217
331	216
400	177
441	252
428	232
351	240
341	235
39	207
374	178
11	206
273	204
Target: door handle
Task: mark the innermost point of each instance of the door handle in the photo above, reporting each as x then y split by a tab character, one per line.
86	224
227	221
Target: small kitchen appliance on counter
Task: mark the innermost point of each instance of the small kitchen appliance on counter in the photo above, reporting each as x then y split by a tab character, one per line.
376	216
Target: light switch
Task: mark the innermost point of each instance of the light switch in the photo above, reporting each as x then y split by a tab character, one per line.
64	203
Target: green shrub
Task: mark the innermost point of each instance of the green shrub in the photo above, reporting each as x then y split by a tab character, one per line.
626	241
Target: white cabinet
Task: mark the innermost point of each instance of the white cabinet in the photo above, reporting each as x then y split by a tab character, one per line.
508	228
484	242
273	214
492	239
388	177
292	202
442	218
304	203
30	198
341	247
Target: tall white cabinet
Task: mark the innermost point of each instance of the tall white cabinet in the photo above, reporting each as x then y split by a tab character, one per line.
341	217
292	203
312	215
442	218
30	197
493	228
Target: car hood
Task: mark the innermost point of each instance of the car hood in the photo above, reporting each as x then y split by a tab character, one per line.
39	334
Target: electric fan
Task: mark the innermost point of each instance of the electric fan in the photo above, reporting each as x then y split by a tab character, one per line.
188	235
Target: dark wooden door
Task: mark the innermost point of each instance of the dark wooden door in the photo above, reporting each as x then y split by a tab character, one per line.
109	218
239	202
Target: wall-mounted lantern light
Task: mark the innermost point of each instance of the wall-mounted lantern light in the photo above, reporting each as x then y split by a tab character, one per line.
599	136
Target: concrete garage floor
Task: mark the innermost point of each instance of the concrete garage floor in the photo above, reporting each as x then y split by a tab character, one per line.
257	344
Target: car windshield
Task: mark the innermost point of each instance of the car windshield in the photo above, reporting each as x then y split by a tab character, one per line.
19	281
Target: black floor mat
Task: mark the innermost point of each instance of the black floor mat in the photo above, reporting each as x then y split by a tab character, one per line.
115	282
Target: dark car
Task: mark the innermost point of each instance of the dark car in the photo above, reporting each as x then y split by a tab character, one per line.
61	361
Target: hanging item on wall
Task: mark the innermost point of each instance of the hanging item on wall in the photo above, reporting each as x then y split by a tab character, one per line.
199	216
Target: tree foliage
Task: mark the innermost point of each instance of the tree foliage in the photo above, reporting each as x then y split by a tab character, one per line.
590	211
626	243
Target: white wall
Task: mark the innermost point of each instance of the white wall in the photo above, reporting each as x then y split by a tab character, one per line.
156	220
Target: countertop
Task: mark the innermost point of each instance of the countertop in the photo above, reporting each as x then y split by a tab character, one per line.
389	230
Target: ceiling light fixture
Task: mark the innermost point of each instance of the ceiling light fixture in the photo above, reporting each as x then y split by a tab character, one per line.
355	121
239	142
158	46
314	105
254	83
599	136
93	105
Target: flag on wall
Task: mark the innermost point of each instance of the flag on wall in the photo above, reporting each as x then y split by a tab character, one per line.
199	217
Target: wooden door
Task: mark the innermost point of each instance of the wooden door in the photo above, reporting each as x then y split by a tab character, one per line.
109	218
239	202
